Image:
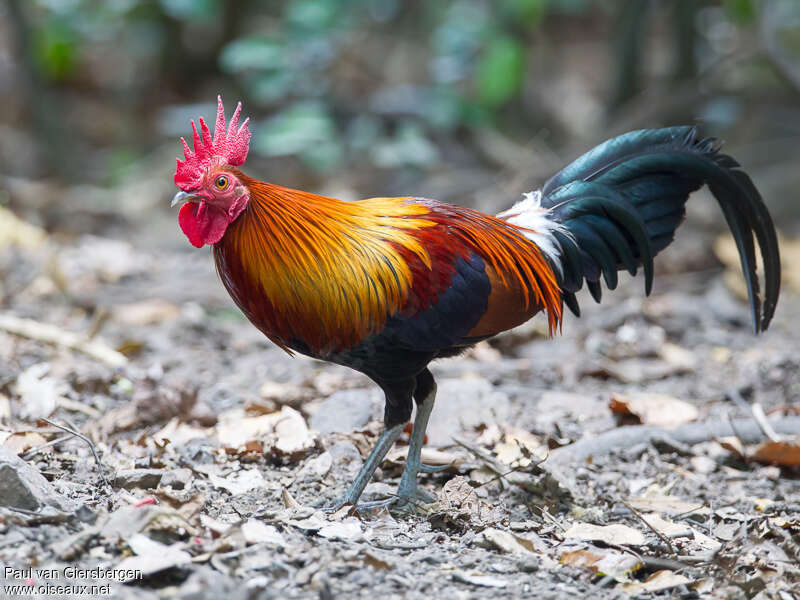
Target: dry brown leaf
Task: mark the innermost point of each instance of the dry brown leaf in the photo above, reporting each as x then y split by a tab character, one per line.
234	432
152	556
733	444
459	504
478	579
785	453
510	453
706	542
763	504
346	530
186	504
371	559
292	432
505	541
660	580
258	532
179	433
22	441
601	561
429	456
666	527
653	409
617	534
524	437
791	523
214	526
285	432
288	500
153	402
703	586
459	494
240	482
39	393
667	505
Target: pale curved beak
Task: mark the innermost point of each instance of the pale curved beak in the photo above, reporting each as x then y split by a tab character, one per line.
183	197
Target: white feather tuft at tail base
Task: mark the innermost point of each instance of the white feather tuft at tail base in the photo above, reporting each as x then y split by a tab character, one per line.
528	213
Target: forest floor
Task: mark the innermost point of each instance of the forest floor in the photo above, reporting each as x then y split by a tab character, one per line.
626	457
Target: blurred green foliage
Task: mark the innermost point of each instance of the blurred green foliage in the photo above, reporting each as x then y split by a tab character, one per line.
333	82
287	58
477	66
741	11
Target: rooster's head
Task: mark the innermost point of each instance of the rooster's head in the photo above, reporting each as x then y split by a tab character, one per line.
211	191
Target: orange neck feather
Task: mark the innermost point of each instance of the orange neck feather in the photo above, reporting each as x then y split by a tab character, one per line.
308	267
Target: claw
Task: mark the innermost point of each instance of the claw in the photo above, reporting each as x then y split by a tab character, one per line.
361	506
433	469
407	500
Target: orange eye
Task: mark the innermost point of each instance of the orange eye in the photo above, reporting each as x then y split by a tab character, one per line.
221	182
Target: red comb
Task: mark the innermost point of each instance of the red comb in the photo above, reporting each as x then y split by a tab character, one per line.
228	147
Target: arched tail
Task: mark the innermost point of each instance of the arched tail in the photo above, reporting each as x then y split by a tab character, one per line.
618	205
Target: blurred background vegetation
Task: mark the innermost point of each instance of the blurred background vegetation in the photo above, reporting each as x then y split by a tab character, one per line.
470	101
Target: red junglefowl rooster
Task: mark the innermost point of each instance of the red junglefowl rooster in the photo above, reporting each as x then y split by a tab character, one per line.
386	285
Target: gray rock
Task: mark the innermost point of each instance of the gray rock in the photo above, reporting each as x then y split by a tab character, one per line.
177	479
22	486
138	478
205	582
315	468
464	405
347	411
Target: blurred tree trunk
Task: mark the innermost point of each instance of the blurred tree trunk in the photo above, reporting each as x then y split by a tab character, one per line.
38	97
685	66
186	70
627	52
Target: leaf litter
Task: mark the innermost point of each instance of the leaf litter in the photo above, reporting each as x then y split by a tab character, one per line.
210	428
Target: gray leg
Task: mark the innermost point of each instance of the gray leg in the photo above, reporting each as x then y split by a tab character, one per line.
408	491
385	442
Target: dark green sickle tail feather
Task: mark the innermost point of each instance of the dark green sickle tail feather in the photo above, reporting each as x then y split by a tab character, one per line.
622	201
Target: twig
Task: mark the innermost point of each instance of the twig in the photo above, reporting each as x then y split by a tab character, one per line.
383	546
747	430
34	451
761	419
74	406
50	334
654	563
737	436
88	441
477	452
738	399
545	514
604	582
514	470
757	411
481	455
686	513
639	516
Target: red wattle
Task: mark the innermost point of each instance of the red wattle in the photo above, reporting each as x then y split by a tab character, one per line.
202	224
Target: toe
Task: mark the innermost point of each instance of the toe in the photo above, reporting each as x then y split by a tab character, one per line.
432	469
